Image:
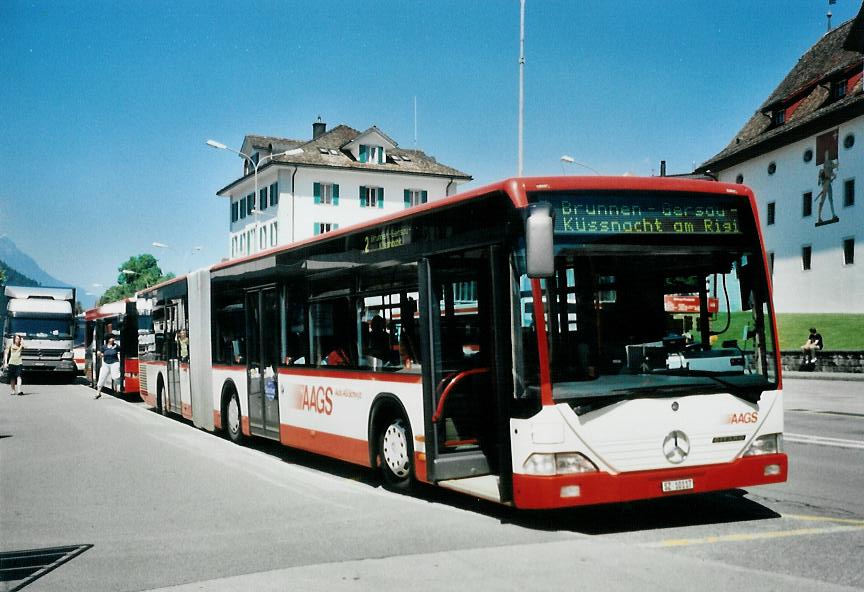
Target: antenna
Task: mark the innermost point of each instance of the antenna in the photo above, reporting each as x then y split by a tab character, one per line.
829	15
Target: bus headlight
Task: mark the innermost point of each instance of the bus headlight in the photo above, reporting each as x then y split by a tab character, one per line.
767	444
563	463
67	355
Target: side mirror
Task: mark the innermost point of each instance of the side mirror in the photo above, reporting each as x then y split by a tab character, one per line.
539	244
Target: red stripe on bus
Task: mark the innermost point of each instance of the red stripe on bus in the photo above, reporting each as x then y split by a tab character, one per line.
228	367
341	447
148	398
244	426
352	374
186	410
542	343
420	467
217	420
535	492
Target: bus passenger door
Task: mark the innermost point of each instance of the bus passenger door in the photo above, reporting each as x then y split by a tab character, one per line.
263	330
461	366
175	321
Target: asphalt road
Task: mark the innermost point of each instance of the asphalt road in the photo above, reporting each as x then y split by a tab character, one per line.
165	505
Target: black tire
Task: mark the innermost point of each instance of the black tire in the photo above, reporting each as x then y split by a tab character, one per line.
232	419
396	455
160	397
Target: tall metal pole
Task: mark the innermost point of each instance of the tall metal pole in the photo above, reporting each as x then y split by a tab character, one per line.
521	81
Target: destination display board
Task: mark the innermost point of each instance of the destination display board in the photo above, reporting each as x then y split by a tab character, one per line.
643	214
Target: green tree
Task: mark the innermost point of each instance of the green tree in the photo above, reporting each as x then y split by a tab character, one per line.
136	273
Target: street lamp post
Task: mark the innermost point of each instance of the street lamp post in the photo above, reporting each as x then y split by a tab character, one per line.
571	160
255	165
186	254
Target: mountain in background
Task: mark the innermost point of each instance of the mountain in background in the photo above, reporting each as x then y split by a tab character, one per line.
17	261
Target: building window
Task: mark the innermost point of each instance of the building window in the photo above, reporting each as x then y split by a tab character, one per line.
415	197
848	251
250	204
262	238
371	197
838	89
262	198
778	117
770	214
233	246
373	154
274	234
326	193
808	155
235	211
243	243
848	193
322	227
849	141
242	207
771	263
806	254
807	204
772	168
274	194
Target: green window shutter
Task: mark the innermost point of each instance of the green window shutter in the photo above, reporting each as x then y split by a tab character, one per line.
335	227
381	155
362	196
274	193
335	194
380	197
262	198
362	152
316	191
407	198
425	197
316	229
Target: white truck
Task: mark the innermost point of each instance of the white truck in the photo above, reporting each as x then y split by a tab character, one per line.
45	319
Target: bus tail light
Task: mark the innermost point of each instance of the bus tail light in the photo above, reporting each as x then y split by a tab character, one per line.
767	444
563	463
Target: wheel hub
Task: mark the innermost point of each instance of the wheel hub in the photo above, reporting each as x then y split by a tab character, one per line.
395	450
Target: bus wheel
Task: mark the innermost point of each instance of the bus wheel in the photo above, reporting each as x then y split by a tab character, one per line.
160	396
232	418
396	455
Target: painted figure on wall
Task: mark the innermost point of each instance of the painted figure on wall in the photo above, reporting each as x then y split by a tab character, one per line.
826	177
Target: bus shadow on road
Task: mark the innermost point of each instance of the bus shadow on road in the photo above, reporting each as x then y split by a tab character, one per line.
671	512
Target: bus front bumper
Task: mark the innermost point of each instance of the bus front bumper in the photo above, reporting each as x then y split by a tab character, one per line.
562	491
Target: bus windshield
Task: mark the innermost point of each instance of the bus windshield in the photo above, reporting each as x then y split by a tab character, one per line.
655	316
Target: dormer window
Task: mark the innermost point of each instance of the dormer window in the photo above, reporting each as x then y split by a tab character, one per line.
838	89
778	117
372	153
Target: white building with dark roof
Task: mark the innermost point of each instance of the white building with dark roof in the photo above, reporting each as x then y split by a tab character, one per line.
339	177
802	153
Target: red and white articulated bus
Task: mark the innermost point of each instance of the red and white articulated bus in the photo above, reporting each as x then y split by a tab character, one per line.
514	343
128	321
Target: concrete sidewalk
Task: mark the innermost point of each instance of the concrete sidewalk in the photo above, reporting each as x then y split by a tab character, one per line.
823	375
823	395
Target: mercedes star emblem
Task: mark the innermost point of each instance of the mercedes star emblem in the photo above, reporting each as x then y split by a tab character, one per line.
676	447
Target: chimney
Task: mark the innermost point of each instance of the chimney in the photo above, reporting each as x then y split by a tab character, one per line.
662	168
318	128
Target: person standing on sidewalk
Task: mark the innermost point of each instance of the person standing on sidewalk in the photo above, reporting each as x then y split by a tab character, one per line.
110	355
12	362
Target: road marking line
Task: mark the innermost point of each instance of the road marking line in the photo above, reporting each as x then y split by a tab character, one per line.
753	536
809	518
823	441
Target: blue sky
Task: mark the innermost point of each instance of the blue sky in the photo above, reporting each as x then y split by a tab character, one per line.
105	106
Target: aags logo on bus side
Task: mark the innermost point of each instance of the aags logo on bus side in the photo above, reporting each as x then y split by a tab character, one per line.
316	399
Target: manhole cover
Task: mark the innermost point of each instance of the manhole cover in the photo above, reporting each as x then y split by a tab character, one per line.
20	568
